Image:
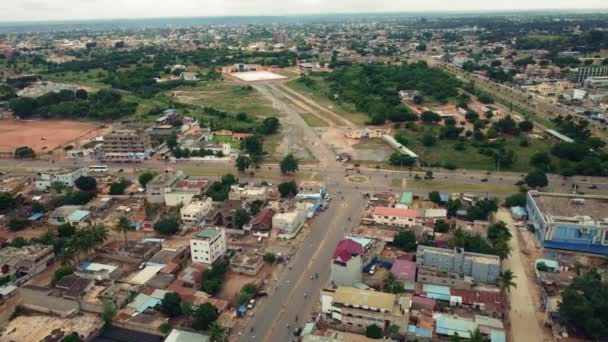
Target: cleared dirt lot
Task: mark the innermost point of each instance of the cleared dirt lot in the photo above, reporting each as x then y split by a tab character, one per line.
16	133
37	327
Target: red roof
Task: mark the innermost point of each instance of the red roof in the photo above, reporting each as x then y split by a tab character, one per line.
423	302
399	212
404	269
346	249
469	297
241	135
263	217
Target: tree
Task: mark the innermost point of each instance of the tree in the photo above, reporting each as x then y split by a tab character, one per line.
86	183
536	179
16	224
73	337
204	316
108	312
118	188
170	306
526	126
241	218
541	160
288	189
477	336
516	200
270	126
24	152
66	230
81	94
430	117
441	226
269	257
166	226
164	328
391	284
498	231
146	177
24	107
60	273
171	141
255	206
186	310
289	164
506	279
373	331
435	197
253	145
583	305
428	140
123	226
405	240
243	162
37	207
6	201
217	333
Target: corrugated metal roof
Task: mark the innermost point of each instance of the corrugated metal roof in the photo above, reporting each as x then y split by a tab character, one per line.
177	335
407	197
448	325
497	336
372	299
78	215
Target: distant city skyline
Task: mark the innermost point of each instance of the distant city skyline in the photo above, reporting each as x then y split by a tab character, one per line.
39	10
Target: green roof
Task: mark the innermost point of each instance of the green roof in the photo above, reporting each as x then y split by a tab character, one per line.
208	233
406	198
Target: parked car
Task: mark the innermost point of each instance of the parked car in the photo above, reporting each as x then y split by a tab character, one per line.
372	270
251	304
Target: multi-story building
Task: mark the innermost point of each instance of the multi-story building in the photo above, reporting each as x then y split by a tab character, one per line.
569	221
208	245
163	182
358	309
248	193
596	82
289	224
25	262
65	177
127	145
482	268
397	217
590	71
347	263
194	213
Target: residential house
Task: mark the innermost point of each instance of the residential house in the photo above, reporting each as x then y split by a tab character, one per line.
208	245
66	177
262	221
72	214
347	263
163	182
25	262
224	214
397	217
405	272
248	263
195	212
287	225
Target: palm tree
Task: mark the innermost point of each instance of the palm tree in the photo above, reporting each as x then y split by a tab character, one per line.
186	309
455	338
100	233
476	336
506	280
217	333
123	227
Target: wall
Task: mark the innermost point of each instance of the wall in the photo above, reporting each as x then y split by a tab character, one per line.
347	275
39	301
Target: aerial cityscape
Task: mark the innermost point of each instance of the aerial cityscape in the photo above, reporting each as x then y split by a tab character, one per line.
303	171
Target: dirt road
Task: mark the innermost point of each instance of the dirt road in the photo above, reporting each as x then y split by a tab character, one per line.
525	325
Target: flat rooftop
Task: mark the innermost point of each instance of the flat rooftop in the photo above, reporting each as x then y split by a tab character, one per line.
208	233
252	76
570	205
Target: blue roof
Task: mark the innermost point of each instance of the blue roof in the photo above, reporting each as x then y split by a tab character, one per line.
444	197
518	211
437	292
419	331
35	217
497	336
549	263
308	327
446	325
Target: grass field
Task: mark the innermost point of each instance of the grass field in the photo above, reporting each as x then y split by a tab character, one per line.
444	153
450	186
371	144
312	120
229	97
319	94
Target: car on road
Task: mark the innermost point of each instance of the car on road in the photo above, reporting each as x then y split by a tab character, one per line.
593	186
297	331
521	182
484	180
251	304
372	270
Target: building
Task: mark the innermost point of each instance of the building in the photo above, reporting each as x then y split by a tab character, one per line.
482	268
163	182
262	221
365	133
357	309
569	221
184	191
347	263
208	245
194	213
67	177
248	263
189	76
248	193
436	276
405	272
72	214
127	145
397	217
596	82
592	71
287	225
408	95
25	262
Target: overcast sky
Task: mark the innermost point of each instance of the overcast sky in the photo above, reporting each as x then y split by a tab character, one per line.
20	10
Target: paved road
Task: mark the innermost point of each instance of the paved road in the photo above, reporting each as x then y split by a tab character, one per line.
524	322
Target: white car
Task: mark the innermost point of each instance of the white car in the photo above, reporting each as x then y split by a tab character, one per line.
251	304
372	270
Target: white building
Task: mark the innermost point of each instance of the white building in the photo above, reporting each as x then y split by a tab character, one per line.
248	193
194	213
289	224
396	217
208	245
65	177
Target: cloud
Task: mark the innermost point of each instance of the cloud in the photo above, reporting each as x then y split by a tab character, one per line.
19	10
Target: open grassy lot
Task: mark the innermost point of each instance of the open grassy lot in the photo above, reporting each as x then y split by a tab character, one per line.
312	120
450	186
320	94
226	96
444	152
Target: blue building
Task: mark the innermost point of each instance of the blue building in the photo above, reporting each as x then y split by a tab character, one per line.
569	221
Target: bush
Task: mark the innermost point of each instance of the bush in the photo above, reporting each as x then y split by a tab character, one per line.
270	257
16	224
166	226
118	188
373	331
288	189
60	273
86	183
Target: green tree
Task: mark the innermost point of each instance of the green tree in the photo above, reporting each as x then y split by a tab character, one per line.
536	179
253	145
166	226
7	201
289	164
85	183
243	162
269	257
506	279
540	160
441	226
165	328
186	310
391	284
172	141
73	337
373	331
123	226
108	312
204	316
66	230
60	273
241	218
170	306
477	336
270	126
24	152
405	240
37	207
118	188
288	189
430	117
17	224
217	333
516	200
428	140
146	177
435	197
